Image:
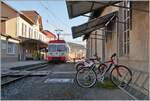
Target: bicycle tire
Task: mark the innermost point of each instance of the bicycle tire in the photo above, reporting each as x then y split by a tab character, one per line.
102	67
82	70
118	72
79	66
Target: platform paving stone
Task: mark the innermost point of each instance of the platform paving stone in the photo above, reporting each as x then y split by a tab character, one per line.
58	85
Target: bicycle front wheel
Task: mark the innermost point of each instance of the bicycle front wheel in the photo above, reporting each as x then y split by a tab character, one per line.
121	75
86	77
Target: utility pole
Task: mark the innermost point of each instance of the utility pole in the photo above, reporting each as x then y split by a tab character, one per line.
58	32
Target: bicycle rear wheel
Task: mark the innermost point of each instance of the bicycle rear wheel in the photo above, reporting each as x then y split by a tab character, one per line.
86	77
121	75
101	68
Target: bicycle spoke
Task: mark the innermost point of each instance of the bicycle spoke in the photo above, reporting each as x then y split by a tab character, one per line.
86	78
121	76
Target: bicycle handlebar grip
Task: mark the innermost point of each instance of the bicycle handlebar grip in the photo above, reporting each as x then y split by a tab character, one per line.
113	55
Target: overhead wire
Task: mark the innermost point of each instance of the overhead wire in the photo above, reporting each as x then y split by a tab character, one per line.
53	15
57	18
48	16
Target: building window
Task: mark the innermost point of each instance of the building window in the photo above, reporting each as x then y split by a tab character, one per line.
3	44
126	29
40	37
25	30
11	49
22	29
124	38
29	32
35	34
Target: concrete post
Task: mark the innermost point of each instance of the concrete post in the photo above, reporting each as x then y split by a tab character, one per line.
103	44
117	32
95	42
6	49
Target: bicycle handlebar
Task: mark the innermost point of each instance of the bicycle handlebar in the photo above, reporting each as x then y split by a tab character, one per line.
113	55
95	58
98	58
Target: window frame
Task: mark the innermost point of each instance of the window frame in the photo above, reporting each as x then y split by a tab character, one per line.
3	45
13	46
25	31
126	29
35	34
22	29
29	32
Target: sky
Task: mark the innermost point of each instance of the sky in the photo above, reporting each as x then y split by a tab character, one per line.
54	16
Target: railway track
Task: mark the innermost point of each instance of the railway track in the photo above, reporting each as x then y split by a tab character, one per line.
9	78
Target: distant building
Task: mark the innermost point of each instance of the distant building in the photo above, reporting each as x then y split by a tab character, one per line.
49	35
76	51
22	36
33	41
9	39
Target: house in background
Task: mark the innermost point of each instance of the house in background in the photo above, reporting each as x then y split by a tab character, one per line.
9	39
32	38
22	36
49	35
76	51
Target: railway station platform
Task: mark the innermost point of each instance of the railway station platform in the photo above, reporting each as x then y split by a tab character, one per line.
19	64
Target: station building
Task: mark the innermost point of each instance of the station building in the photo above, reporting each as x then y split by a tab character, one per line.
22	36
116	27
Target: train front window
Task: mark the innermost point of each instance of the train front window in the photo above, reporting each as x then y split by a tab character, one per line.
52	48
61	48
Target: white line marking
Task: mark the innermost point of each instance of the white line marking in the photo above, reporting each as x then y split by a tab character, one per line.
58	80
63	72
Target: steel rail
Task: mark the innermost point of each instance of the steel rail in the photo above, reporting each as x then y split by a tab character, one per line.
20	77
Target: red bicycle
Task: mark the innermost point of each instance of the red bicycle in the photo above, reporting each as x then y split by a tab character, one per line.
120	75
